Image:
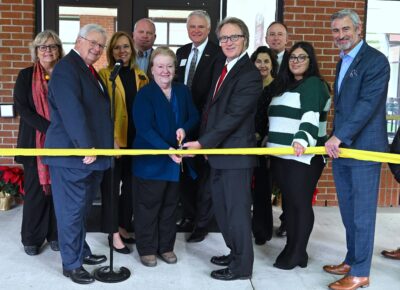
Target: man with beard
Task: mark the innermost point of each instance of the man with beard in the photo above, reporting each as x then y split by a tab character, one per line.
361	85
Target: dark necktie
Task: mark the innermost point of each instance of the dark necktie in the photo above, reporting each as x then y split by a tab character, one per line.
140	53
93	71
220	80
205	112
192	67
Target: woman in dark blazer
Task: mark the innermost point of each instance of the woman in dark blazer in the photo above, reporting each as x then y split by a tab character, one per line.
266	62
163	113
30	99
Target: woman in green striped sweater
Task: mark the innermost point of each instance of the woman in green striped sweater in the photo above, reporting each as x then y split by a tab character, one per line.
297	118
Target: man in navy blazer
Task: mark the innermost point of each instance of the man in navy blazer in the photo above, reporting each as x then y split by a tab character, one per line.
228	122
195	68
80	118
361	85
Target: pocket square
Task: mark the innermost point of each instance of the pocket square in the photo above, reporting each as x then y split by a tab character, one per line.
353	73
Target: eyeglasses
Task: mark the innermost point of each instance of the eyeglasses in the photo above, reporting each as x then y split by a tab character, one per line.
122	47
51	47
299	59
233	38
94	43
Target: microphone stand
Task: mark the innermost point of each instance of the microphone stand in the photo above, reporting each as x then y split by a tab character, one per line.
106	273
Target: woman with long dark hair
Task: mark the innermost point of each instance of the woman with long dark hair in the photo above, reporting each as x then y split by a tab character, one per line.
297	119
266	62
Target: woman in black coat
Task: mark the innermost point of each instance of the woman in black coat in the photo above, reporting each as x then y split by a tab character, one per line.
30	99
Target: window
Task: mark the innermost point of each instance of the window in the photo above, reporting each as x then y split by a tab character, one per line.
257	17
384	35
170	27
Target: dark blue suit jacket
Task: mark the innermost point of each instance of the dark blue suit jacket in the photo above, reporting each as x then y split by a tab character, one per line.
79	113
156	127
360	105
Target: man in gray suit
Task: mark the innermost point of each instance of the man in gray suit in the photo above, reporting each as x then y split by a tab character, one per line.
361	84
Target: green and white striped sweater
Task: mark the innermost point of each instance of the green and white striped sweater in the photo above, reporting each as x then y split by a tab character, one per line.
299	115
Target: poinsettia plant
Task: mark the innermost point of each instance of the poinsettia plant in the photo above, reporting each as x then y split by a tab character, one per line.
11	180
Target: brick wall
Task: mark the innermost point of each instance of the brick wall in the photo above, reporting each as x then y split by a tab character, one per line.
16	31
307	20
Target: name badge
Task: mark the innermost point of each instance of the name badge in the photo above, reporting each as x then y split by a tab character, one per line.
183	62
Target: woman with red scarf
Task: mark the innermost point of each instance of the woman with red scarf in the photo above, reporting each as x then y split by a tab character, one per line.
30	99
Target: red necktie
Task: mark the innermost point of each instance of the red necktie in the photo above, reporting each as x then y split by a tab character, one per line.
93	71
220	80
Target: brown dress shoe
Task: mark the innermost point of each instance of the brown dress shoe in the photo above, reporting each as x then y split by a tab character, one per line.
341	269
395	254
350	283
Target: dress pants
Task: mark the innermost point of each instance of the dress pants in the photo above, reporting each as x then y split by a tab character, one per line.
194	196
122	197
231	197
357	189
297	182
38	217
73	193
205	212
155	215
262	222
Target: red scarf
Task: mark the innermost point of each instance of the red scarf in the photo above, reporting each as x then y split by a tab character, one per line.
39	93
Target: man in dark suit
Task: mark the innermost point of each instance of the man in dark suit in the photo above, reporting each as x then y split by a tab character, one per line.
361	85
195	66
277	39
80	118
228	122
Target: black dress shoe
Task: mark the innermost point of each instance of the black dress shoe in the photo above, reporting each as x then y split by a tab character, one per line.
54	246
124	250
197	235
185	225
281	231
227	275
260	240
283	266
31	250
129	240
94	259
79	275
221	260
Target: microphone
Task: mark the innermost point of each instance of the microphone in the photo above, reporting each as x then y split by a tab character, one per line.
115	71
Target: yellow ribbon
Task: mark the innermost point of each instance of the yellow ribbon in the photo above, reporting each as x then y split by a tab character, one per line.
344	152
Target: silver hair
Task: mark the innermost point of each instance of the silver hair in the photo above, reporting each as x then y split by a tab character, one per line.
41	39
202	14
347	12
85	30
238	22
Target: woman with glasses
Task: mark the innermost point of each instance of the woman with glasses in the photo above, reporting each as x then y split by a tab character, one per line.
164	114
30	99
262	224
129	80
297	119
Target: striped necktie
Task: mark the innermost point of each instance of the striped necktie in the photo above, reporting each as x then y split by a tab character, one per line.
192	67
